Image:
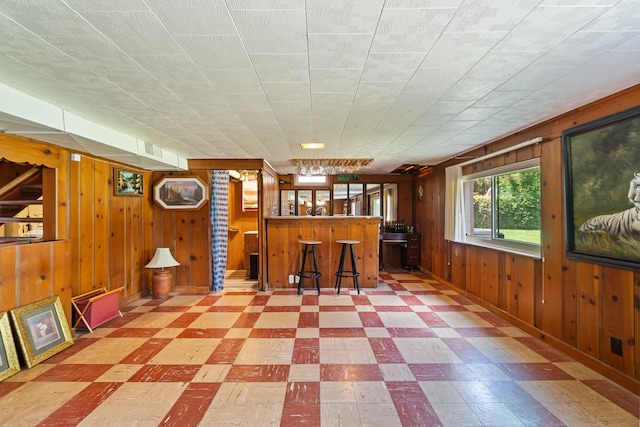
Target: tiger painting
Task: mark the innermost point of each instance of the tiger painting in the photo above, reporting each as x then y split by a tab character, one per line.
625	223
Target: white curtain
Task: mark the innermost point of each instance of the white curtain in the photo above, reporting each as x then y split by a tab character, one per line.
454	209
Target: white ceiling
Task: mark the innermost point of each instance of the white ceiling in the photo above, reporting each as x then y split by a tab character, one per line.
401	81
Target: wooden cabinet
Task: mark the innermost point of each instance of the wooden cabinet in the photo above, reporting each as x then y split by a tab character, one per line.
411	252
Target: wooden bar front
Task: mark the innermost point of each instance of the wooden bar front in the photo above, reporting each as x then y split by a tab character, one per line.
284	252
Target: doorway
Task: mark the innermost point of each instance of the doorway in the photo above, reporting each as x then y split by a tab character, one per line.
243	248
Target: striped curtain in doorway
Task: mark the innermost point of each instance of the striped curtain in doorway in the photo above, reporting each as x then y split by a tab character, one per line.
219	226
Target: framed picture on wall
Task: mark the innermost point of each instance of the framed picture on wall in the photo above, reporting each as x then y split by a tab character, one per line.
42	329
126	183
9	363
602	190
180	193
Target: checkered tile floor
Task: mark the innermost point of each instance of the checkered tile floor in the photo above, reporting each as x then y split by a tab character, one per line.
408	353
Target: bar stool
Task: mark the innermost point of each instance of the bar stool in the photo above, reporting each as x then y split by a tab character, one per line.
350	274
309	246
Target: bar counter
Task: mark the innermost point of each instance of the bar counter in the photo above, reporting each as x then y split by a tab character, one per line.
284	252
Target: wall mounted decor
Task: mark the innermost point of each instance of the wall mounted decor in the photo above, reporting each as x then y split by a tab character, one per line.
180	193
126	183
42	329
602	190
9	363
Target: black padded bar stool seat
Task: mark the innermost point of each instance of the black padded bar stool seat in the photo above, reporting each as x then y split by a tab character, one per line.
349	274
309	246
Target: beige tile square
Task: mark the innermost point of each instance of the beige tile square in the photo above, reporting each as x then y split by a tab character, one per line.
253	309
105	351
261	414
386	300
198	309
277	320
579	371
153	320
266	351
304	373
378	415
183	301
334	299
186	351
439	392
285	300
420	308
215	320
372	392
365	308
309	308
308	333
339	414
223	415
238	333
340	319
337	392
446	333
168	333
119	373
456	414
142	309
396	372
402	319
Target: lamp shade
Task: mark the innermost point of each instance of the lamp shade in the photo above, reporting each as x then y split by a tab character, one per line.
161	259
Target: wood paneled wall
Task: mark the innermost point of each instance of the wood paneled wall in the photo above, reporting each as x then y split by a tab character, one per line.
574	305
187	234
98	239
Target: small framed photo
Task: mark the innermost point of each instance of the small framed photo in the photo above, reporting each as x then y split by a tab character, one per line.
180	193
127	183
9	363
42	329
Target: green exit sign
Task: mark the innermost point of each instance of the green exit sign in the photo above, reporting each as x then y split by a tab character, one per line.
348	177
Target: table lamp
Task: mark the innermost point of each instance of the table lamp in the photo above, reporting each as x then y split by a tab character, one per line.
162	279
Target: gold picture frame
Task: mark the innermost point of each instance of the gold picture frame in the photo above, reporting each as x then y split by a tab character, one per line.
42	329
127	183
9	363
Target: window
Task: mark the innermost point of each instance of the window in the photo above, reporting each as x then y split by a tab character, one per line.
501	208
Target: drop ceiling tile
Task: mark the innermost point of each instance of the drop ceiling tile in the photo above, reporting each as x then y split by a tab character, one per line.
332	101
266	4
204	18
422	4
631	44
272	31
624	17
338	51
138	33
434	81
477	113
171	68
248	102
378	91
535	78
391	67
281	67
410	30
461	49
287	91
343	16
54	19
489	15
582	46
107	5
216	52
334	80
234	81
290	108
501	98
196	93
546	27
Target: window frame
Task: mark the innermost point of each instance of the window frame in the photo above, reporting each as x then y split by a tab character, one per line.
524	248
